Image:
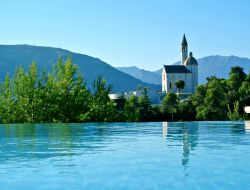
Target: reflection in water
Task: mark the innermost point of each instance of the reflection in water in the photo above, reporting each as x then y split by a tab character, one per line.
44	141
247	126
164	130
125	155
186	133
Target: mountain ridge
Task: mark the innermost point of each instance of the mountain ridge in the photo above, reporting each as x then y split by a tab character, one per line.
12	56
213	65
148	76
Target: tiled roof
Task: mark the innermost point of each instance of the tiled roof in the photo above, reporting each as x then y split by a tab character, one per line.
176	69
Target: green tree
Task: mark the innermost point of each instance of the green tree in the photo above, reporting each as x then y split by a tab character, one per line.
101	108
7	103
234	115
25	94
215	101
169	104
186	110
180	84
244	94
236	78
130	111
144	108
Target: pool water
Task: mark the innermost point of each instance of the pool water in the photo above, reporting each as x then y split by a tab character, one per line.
190	155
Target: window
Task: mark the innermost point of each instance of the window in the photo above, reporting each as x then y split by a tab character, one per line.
170	85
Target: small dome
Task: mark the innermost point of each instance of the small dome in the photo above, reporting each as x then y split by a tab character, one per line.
191	60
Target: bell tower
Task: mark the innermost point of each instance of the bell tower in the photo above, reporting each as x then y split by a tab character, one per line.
184	49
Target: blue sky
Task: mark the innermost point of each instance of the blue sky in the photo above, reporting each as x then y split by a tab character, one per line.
144	33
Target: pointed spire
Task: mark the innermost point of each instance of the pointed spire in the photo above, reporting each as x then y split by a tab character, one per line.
184	41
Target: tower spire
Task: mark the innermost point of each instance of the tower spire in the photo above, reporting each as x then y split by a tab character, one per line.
184	49
184	41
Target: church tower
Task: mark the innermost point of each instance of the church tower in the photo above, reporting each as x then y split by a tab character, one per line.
184	49
187	72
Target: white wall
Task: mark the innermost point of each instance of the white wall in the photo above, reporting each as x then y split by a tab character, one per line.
172	78
163	82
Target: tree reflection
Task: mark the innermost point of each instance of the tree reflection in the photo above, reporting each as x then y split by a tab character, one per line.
50	140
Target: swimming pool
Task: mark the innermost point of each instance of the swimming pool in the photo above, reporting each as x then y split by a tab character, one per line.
189	155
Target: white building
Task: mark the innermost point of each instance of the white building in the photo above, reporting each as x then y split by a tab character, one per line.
187	72
247	109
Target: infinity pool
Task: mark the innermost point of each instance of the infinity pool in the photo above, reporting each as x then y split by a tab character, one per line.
192	155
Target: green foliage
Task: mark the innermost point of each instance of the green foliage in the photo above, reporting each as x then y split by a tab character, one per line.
186	111
7	102
236	78
180	85
219	99
131	112
234	115
62	96
169	104
215	101
140	108
101	108
244	94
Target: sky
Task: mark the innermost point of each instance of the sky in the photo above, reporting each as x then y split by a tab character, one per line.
142	33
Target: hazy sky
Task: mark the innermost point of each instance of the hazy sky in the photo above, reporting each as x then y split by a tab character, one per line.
144	33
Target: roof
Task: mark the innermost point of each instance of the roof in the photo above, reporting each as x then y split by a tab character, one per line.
184	41
191	60
176	69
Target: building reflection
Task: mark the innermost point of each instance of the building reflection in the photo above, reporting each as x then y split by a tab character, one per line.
247	126
186	133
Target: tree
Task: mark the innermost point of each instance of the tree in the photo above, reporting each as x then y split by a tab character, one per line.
7	103
215	101
244	94
140	108
186	110
130	111
25	91
64	93
180	85
101	108
236	78
234	115
144	109
169	104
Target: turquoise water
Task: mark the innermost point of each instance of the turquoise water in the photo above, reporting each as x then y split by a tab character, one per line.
192	155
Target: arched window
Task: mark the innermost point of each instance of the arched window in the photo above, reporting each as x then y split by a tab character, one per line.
170	85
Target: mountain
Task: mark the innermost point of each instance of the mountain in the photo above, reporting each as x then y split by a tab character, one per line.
141	74
12	56
215	65
220	66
